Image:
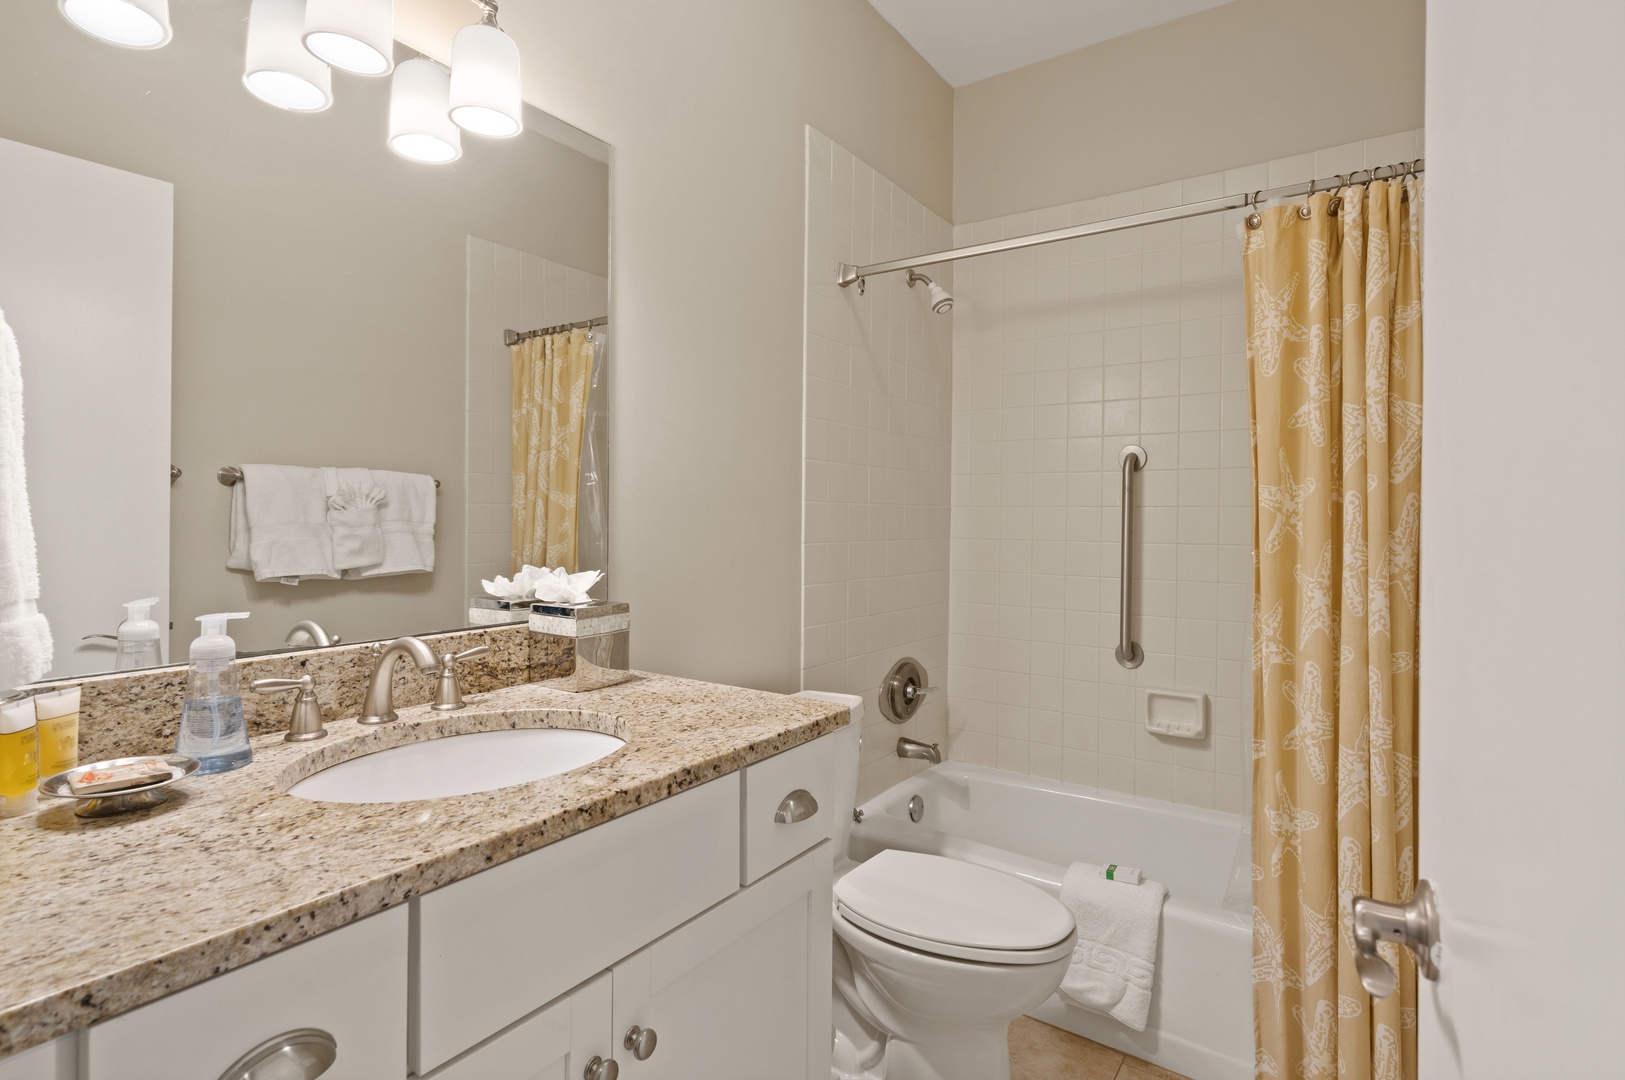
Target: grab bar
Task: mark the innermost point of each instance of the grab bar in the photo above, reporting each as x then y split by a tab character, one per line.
1129	653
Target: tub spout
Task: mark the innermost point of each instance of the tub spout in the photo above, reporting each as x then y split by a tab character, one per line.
910	748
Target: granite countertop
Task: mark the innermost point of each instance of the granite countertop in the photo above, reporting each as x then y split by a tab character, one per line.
100	916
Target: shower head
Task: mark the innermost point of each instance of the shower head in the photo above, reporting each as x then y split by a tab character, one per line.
941	299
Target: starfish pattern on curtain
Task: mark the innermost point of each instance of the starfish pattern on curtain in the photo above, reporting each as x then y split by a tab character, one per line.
1334	350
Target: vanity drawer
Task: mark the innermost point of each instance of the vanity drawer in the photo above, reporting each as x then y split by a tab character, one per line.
494	947
766	843
350	983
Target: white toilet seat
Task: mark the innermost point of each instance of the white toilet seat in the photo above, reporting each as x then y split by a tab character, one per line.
954	909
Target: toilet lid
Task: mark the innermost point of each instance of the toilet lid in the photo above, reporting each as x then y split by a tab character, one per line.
932	900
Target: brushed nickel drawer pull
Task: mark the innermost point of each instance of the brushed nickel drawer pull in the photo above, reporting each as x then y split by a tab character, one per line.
799	805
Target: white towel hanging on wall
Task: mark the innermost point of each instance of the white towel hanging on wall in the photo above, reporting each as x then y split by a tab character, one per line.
25	636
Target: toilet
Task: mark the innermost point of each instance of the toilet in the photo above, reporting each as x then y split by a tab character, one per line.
933	957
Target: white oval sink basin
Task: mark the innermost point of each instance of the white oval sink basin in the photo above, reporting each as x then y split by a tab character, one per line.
457	765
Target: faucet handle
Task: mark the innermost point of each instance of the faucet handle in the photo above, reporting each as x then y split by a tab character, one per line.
448	691
306	723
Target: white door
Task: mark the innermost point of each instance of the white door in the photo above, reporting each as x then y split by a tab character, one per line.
86	281
740	993
1522	801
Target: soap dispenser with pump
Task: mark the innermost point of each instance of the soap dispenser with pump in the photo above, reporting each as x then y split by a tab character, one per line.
213	729
138	637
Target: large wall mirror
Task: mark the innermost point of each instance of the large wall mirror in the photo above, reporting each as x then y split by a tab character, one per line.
199	281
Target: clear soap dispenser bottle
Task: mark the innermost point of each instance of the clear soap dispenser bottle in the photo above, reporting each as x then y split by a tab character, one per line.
138	637
212	725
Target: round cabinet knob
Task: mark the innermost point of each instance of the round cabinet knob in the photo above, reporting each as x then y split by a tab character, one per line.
599	1069
641	1041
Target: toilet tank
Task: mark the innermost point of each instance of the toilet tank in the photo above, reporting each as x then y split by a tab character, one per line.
850	739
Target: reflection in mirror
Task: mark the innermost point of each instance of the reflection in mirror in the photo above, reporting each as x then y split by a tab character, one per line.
197	279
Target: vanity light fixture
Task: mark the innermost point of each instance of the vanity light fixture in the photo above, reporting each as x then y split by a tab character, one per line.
485	78
278	70
134	24
419	127
357	36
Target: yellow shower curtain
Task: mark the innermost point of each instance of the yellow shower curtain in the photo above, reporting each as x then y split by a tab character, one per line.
1334	351
551	377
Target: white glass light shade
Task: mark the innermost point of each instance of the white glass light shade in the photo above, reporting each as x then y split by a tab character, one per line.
419	129
134	24
357	36
278	70
485	82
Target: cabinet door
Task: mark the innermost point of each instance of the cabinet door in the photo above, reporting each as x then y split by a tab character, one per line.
350	983
553	1043
742	991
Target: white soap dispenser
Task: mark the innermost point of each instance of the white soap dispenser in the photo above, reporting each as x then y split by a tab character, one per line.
138	637
212	726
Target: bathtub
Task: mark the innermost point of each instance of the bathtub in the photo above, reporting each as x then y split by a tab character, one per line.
1201	1020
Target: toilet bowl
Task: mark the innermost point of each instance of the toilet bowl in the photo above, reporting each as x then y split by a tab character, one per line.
933	957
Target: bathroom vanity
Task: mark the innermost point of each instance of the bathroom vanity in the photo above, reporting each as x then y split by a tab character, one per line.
661	912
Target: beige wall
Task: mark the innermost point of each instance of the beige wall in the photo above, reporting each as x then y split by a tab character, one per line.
1249	81
319	289
705	104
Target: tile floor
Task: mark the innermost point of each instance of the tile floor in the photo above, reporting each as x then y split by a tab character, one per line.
1041	1052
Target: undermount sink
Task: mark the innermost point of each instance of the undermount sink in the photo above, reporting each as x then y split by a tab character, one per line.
457	765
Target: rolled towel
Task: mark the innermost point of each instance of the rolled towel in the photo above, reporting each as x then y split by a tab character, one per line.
1130	874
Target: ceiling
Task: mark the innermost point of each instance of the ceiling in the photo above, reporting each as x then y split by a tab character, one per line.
970	40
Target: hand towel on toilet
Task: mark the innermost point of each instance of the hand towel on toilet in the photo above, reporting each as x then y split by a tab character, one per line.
406	519
1115	960
279	524
354	501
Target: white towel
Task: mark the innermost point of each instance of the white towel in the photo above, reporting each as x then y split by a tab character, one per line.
279	524
353	502
25	636
1115	960
406	520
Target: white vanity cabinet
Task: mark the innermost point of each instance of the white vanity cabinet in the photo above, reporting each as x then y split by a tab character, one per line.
533	968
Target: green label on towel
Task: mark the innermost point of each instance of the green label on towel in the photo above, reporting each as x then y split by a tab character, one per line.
1110	870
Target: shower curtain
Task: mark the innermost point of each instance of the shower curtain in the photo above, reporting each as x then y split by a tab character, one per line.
1334	351
551	378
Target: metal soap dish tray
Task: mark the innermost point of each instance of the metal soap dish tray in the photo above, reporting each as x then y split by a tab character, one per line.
108	803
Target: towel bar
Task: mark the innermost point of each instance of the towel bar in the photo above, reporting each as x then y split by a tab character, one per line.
231	474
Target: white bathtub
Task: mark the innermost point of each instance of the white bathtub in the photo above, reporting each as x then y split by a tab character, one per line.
1201	1020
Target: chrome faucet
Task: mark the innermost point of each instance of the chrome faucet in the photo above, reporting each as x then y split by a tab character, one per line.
379	706
911	748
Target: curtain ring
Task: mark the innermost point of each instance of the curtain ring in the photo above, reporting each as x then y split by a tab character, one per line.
1254	219
1306	211
1336	202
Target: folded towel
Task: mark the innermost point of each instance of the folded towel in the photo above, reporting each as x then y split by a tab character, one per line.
406	520
279	524
1115	960
1131	874
353	501
25	637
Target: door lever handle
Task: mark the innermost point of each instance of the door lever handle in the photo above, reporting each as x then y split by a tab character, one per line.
1414	924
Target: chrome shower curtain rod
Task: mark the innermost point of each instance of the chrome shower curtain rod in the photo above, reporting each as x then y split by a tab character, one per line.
514	337
846	274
